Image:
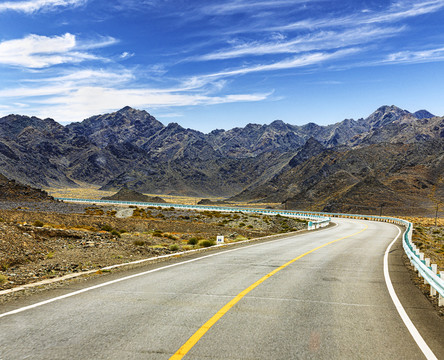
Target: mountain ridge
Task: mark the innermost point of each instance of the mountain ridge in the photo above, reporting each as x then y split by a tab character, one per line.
131	148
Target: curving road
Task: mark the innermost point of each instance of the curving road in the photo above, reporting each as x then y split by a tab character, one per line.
330	302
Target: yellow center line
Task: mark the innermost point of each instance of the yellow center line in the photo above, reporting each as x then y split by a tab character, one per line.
185	348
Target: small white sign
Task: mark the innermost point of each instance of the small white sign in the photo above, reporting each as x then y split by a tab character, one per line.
220	239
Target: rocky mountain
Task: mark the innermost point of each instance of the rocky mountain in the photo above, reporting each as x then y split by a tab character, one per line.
12	190
399	177
259	162
124	126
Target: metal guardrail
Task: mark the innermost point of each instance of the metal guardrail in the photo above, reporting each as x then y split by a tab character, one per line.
316	220
423	266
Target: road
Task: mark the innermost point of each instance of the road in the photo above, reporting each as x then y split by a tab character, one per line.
330	302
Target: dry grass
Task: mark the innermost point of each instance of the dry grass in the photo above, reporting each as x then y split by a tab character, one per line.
429	238
424	221
88	191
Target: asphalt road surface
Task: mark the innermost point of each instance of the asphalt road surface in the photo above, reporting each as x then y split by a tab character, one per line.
317	295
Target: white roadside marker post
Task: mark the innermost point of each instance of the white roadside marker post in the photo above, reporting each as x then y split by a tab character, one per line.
440	298
427	263
435	271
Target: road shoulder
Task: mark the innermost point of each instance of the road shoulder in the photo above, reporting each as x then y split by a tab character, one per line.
421	311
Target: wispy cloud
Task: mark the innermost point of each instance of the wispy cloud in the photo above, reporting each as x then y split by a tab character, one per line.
80	94
299	61
88	77
397	11
324	40
126	55
32	6
87	101
239	6
411	57
36	52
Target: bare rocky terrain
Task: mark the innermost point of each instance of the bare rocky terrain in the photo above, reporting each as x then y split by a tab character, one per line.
44	241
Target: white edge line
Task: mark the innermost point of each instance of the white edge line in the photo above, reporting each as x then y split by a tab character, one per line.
16	311
428	353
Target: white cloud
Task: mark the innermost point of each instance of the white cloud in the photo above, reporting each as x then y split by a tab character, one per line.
80	94
410	57
239	6
88	101
88	76
397	11
32	6
290	63
324	40
36	52
126	55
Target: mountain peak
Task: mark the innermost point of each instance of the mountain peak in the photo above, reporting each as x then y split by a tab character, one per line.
423	114
125	109
385	115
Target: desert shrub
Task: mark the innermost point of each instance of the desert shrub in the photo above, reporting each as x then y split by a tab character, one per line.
193	241
106	227
170	236
115	233
3	279
137	212
139	242
174	247
93	211
250	226
82	227
157	233
206	243
242	224
38	223
50	255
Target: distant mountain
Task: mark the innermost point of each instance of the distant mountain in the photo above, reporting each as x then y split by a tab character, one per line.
423	114
126	194
131	148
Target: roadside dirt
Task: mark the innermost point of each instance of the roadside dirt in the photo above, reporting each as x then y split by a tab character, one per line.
38	244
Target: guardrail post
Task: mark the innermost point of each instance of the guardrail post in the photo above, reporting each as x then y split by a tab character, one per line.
435	271
441	299
427	263
421	258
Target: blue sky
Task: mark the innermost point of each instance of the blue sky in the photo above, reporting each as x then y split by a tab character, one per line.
221	64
